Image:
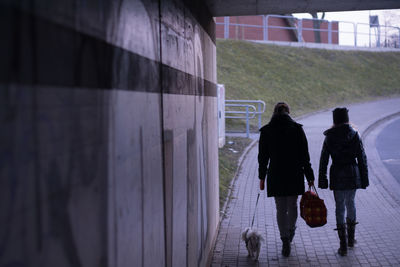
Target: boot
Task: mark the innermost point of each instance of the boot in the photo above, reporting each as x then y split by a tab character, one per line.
292	232
351	228
341	228
285	246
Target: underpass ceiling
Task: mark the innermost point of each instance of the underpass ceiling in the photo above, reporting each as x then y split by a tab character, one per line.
261	7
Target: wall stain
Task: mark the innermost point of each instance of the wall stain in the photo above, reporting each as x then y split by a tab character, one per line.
60	223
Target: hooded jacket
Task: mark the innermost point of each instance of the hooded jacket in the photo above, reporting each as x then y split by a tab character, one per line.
349	169
283	157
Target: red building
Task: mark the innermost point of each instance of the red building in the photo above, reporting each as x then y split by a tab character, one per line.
276	28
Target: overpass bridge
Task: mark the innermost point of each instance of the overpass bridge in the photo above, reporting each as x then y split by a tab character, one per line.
108	147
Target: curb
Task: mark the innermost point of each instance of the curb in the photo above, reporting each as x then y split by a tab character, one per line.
377	123
385	179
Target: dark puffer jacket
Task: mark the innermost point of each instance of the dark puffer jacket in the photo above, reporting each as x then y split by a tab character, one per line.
349	169
283	157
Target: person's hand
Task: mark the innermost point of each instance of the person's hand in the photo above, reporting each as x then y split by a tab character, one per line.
363	186
262	184
310	183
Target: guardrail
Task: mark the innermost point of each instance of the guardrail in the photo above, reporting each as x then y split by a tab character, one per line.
243	109
298	28
344	32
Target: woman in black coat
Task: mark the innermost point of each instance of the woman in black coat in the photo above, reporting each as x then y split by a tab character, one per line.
348	172
283	157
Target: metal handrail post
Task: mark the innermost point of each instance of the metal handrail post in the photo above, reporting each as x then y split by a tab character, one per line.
386	42
330	32
378	41
226	27
247	122
369	35
399	36
266	28
355	25
300	31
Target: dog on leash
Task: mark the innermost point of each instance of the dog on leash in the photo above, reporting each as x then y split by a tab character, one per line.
253	240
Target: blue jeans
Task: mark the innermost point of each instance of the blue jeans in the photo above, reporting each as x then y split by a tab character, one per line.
345	201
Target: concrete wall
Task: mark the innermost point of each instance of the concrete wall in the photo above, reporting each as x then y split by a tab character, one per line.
108	147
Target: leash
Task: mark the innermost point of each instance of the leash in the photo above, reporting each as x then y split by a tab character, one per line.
255	209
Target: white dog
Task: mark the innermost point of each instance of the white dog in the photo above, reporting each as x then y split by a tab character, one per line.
253	239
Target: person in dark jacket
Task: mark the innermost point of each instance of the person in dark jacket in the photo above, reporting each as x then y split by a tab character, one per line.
283	157
348	172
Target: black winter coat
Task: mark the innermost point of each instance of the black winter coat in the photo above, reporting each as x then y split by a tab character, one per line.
349	169
283	157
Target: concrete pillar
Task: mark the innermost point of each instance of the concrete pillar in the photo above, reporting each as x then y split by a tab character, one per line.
109	143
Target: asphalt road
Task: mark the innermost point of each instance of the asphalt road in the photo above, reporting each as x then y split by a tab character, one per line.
388	146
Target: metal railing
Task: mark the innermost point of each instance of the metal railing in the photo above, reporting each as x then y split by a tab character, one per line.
298	27
243	109
373	36
347	33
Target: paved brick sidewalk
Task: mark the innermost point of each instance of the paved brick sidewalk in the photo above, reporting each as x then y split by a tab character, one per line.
378	207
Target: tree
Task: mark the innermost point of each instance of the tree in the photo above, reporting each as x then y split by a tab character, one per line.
391	19
316	25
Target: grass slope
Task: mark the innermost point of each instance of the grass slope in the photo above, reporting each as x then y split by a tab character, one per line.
307	79
228	164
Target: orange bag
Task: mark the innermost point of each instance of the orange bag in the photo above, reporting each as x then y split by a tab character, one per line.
312	208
